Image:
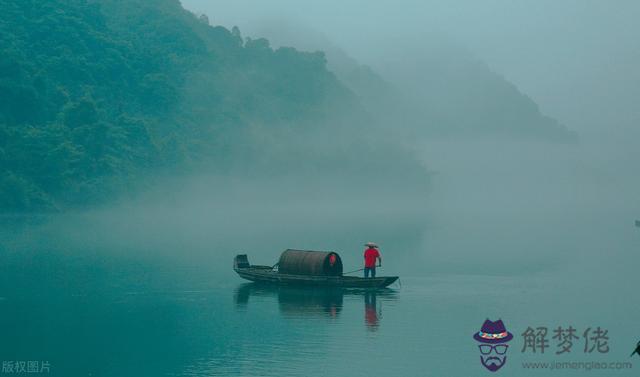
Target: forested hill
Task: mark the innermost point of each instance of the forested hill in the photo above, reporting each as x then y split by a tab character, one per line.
96	94
434	85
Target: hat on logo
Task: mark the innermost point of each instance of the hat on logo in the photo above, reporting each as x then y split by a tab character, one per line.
493	332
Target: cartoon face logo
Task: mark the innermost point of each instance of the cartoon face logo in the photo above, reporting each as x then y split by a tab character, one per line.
493	338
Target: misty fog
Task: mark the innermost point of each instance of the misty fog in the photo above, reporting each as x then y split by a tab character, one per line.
487	195
575	58
514	199
490	148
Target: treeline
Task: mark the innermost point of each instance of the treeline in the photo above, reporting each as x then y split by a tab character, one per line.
97	95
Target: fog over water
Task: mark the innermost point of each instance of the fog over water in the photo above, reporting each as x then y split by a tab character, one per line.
574	58
535	232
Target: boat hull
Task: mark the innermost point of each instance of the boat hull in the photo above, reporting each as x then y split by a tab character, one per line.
264	274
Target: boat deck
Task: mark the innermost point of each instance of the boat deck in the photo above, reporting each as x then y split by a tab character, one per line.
266	274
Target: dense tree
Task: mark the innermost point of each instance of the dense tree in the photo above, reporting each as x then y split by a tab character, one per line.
94	94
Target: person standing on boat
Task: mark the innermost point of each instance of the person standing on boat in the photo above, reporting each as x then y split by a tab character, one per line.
370	256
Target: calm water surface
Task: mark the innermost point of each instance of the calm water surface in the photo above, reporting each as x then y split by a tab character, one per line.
135	292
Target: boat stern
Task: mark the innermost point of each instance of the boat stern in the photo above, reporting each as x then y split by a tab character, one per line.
241	261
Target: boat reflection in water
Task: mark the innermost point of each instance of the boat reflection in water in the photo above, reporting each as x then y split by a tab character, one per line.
300	302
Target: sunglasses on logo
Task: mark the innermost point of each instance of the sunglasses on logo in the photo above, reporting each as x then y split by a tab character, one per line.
500	349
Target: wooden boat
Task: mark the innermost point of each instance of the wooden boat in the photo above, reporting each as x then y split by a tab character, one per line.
306	268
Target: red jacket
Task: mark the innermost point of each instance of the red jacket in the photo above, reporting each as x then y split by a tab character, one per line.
370	256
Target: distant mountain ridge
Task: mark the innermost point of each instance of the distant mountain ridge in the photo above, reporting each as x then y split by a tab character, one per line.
437	89
459	96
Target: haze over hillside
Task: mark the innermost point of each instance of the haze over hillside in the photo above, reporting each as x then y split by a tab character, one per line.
576	59
98	97
434	88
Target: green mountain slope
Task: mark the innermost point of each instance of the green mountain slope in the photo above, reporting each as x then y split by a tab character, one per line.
96	95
